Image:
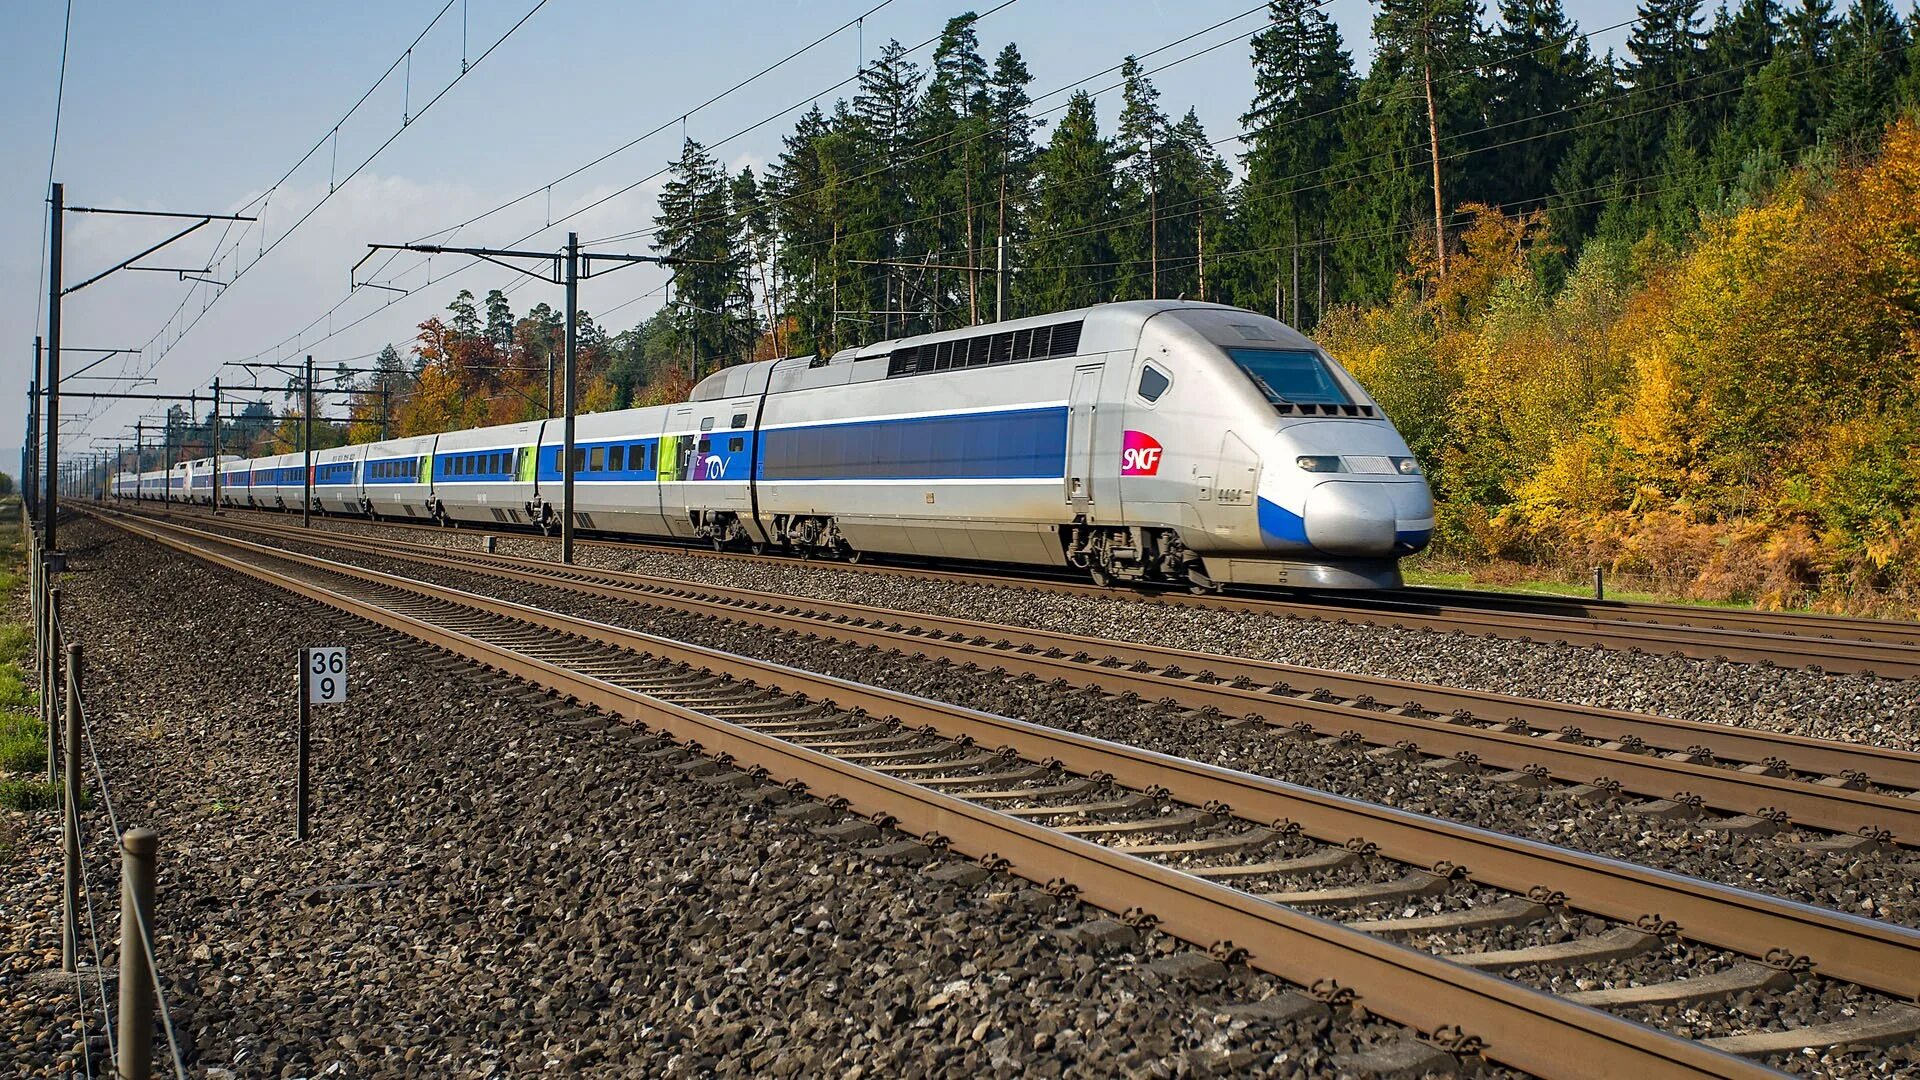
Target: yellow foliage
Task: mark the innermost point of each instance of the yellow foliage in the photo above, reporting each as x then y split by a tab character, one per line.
1739	417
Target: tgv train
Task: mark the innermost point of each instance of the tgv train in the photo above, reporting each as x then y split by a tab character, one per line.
1147	441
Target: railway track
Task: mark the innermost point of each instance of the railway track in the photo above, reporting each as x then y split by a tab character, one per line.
1818	643
1222	859
1790	623
1762	779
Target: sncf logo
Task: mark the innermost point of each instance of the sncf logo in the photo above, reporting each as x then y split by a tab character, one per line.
1140	455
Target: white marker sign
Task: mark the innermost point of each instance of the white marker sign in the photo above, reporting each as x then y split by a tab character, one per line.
326	669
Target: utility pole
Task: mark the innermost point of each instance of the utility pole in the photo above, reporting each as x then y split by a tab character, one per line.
1296	279
216	445
31	467
50	509
1433	135
568	269
567	396
306	446
55	245
139	456
1000	274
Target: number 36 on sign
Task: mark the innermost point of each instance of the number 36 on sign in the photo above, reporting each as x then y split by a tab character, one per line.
325	668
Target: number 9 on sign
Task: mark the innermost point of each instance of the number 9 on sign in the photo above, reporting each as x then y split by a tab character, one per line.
326	671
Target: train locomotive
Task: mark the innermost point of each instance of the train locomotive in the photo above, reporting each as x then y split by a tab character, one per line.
1159	441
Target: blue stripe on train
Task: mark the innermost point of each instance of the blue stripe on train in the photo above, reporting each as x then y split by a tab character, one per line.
1015	444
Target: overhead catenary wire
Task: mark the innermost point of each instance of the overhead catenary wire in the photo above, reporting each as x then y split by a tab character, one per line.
53	150
298	340
153	358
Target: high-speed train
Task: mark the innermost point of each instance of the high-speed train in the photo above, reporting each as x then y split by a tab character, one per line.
1145	441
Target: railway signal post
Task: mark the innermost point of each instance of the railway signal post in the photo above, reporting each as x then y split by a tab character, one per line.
323	681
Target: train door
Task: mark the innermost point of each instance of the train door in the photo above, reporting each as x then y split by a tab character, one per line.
675	465
1083	413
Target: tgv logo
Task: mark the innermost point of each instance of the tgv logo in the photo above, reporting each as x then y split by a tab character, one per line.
1140	455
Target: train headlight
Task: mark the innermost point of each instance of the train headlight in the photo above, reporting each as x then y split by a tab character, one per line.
1318	463
1407	466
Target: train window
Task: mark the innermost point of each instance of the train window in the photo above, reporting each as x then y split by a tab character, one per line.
646	452
706	446
617	459
1290	376
706	423
1153	383
597	459
734	446
579	461
739	420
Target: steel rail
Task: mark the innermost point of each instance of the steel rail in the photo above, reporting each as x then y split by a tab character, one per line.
1884	659
1456	1006
1201	680
1792	623
1867	952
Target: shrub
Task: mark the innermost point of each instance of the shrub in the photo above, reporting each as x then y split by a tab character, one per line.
29	795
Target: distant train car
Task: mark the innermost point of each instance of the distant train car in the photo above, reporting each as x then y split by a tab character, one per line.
1148	441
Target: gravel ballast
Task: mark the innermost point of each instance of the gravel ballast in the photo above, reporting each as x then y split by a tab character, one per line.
489	893
1844	707
1881	882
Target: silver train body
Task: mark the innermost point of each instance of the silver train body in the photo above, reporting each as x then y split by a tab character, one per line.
1152	441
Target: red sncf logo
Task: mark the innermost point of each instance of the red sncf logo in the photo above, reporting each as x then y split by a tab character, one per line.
1140	454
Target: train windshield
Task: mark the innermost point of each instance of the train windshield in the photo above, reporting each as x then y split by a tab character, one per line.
1290	375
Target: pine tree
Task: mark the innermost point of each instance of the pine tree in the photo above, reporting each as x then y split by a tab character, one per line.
1543	73
499	322
1142	149
804	184
1008	105
696	225
1787	98
1666	46
1869	60
873	204
1302	78
1432	51
1068	261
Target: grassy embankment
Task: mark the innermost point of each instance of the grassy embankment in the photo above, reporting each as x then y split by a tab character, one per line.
23	738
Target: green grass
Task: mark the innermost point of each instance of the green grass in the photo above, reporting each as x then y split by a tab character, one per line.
14	691
24	794
16	644
23	743
1547	585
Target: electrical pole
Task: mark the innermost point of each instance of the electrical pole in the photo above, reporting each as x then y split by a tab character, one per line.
31	467
569	268
567	397
306	446
50	509
139	456
216	446
59	208
1000	272
1433	135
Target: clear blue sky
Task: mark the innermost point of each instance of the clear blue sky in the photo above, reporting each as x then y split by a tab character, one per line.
203	106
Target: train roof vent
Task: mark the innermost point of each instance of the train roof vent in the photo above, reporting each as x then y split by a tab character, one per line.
986	350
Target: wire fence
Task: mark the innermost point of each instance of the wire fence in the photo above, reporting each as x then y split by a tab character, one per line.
65	701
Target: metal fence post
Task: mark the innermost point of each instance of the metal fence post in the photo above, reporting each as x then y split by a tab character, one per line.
70	928
1599	583
50	682
134	1041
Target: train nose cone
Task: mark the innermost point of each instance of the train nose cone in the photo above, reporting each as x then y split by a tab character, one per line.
1350	519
